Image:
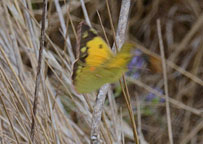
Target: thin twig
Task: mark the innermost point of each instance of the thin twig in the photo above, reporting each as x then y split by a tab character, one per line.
103	29
170	134
96	116
171	64
122	23
130	110
63	26
120	39
15	75
192	133
139	120
38	78
7	114
197	25
85	13
33	36
172	101
114	48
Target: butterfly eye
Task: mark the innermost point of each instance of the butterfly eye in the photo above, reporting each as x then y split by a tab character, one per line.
100	46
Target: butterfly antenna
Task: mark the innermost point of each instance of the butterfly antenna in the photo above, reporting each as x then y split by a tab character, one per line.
79	29
144	68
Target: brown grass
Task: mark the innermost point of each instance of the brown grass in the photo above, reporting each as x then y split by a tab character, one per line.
63	116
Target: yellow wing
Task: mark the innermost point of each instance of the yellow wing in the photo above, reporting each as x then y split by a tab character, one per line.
108	72
96	64
93	50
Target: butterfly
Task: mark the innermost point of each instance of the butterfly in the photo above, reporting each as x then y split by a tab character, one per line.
96	64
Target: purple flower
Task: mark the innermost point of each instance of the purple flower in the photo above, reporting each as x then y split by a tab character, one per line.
152	97
136	65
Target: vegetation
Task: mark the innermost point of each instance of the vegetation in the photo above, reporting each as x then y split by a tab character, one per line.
167	106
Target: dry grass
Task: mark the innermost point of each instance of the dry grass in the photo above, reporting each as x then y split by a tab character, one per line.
63	116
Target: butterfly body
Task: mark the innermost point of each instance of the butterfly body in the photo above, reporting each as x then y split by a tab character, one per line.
96	63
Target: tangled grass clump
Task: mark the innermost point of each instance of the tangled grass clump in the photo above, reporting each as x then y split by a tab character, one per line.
63	116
